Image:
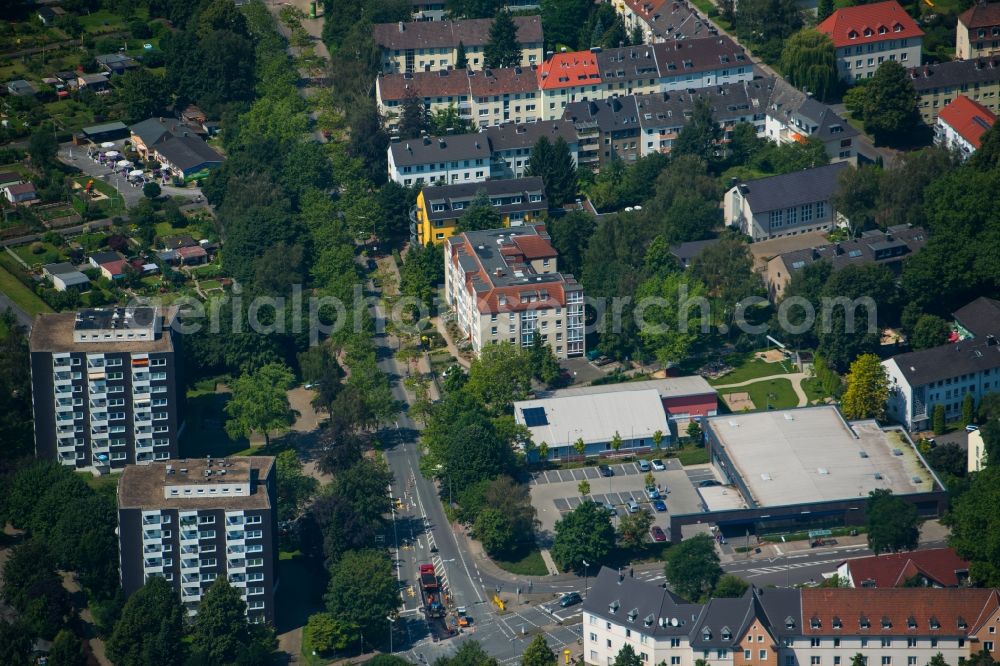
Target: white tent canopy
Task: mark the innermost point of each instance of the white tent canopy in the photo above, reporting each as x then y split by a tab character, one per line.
135	172
108	144
112	153
121	164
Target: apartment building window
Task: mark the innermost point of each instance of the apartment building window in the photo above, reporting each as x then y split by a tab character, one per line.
911	642
608	642
674	661
675	642
814	642
746	654
593	636
886	661
836	661
886	642
721	654
814	661
988	645
911	661
789	660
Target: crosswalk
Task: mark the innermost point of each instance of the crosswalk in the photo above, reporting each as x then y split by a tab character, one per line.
778	568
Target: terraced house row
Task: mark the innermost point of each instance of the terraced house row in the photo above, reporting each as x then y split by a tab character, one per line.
789	627
543	91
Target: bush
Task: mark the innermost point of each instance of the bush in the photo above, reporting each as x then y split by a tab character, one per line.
154	59
140	29
937	420
151	190
37	248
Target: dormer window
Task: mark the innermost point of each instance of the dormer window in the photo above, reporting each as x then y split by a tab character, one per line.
614	606
869	32
962	624
789	622
853	34
726	634
706	634
648	621
815	623
886	622
837	624
934	623
897	28
864	622
911	622
632	614
882	30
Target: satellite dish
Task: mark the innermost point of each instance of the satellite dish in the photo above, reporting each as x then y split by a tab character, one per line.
674	622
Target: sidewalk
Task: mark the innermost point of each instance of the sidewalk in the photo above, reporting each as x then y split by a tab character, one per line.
449	343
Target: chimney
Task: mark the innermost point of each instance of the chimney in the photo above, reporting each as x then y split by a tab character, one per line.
402	27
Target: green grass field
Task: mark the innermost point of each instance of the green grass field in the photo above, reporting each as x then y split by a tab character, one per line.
527	563
23	297
781	389
752	369
692	455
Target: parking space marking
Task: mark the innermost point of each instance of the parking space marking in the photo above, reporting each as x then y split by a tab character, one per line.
591	473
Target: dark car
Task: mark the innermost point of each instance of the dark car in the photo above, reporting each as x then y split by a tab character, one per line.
708	483
570	598
656	532
605	470
659	505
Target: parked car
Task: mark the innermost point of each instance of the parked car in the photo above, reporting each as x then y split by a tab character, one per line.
708	483
633	506
611	508
658	465
652	493
656	532
971	428
659	505
606	471
570	599
644	466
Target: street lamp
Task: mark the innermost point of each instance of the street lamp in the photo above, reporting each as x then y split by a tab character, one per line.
586	567
392	621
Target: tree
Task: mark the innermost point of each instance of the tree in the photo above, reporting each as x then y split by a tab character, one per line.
857	196
633	528
140	93
585	533
502	49
413	120
693	567
151	627
657	440
363	590
627	657
701	135
893	524
479	216
975	526
968	409
949	459
67	650
929	331
461	60
694	431
938	424
448	121
327	634
616	442
889	106
470	654
561	21
859	660
538	653
220	631
294	487
543	451
15	645
730	586
32	586
867	389
673	313
501	375
495	531
151	190
823	9
553	163
42	148
809	61
937	660
583	487
570	235
259	402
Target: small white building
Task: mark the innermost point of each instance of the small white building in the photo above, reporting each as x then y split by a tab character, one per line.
65	275
961	125
443	160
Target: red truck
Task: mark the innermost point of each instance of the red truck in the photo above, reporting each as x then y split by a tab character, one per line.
430	591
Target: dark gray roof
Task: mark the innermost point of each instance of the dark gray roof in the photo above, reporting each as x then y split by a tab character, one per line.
792	189
187	152
444	34
611	115
781	605
722	622
647	607
729	102
812	117
689	56
59	268
874	246
466	192
104	257
431	149
629	63
511	136
955	73
116	126
154	130
981	317
685	252
673	20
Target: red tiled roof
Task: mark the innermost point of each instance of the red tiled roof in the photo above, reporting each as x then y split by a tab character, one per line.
425	84
534	247
645	8
869	23
502	81
193	251
981	15
116	267
564	70
902	611
940	565
969	118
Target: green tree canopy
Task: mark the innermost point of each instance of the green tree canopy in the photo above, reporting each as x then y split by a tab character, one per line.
627	657
151	627
975	526
867	389
471	653
701	135
501	375
413	119
67	650
673	307
633	528
893	524
693	567
538	653
583	534
809	61
553	163
363	591
930	331
888	102
220	631
480	215
502	49
259	402
730	586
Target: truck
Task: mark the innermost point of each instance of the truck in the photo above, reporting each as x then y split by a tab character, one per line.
430	592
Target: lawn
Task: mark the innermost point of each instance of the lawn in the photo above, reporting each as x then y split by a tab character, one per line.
751	369
529	562
692	455
54	212
30	258
70	114
783	395
814	390
22	297
204	434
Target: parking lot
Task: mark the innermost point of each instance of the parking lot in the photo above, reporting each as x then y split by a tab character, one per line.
592	473
700	474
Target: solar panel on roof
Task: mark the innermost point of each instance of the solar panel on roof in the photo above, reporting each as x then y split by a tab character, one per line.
534	416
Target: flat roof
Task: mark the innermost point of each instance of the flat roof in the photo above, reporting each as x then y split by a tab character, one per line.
796	456
593	417
670	387
142	486
54	333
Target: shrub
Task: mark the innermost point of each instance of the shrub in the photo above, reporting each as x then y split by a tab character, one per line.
37	248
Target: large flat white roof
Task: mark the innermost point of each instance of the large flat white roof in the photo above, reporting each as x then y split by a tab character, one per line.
670	387
795	456
594	417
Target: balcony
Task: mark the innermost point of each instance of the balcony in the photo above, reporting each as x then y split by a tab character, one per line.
190	594
189	565
188	535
